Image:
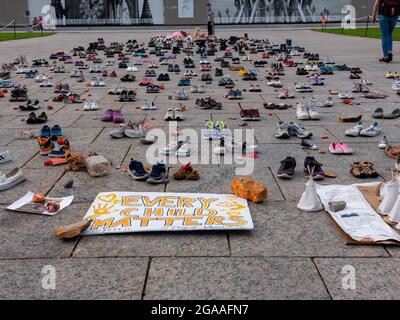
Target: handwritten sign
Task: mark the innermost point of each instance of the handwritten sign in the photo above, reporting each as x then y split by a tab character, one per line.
185	9
125	212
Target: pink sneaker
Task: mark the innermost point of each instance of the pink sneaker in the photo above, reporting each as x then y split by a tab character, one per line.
117	117
345	148
334	148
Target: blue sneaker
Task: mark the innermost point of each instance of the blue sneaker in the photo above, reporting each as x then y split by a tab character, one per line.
158	174
136	170
45	132
56	131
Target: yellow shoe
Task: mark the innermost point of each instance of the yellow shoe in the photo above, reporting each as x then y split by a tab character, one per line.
390	75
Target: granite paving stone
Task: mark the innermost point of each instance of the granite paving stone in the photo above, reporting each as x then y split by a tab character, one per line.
116	279
375	279
233	278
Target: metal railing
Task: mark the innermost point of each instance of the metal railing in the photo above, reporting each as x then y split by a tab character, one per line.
98	22
274	19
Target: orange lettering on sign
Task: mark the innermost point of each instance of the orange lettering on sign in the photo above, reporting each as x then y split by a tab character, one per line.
205	203
215	220
127	212
131	201
106	223
191	222
168	201
204	212
125	222
239	221
158	212
185	202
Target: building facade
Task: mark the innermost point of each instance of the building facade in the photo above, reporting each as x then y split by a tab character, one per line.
178	12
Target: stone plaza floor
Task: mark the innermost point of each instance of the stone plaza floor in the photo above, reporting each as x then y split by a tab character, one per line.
289	255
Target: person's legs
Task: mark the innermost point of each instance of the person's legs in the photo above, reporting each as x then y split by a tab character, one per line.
210	31
392	25
385	35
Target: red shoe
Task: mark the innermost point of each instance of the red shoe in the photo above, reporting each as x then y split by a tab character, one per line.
145	82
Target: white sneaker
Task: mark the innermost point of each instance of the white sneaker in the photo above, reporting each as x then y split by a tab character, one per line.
302	112
328	60
201	89
220	148
396	86
275	83
317	103
179	115
86	106
146	106
243	148
312	111
170	115
303	87
355	131
384	143
345	95
94	106
5	156
11	179
184	150
170	148
372	131
328	102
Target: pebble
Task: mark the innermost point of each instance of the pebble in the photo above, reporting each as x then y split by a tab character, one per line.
68	184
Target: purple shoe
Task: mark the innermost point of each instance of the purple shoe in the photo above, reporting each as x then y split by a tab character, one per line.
107	116
313	81
117	117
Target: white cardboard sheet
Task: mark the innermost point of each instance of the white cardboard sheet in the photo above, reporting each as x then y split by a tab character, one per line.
359	220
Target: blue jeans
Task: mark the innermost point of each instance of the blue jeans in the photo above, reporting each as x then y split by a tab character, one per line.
387	25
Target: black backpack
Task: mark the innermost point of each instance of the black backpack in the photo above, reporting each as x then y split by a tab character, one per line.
391	8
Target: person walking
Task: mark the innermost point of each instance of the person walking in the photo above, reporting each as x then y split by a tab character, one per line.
388	14
210	20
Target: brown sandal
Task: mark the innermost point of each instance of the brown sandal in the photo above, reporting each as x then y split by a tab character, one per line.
187	173
368	168
357	170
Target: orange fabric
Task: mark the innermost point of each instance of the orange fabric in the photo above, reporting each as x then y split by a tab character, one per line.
55	162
